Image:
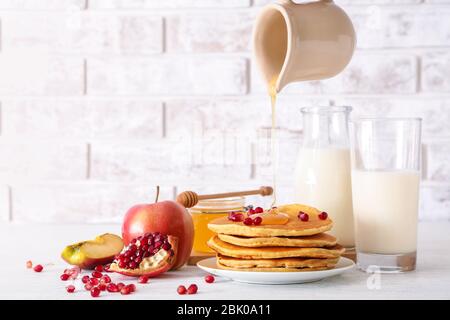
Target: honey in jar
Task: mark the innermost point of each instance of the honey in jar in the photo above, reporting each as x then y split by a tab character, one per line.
208	210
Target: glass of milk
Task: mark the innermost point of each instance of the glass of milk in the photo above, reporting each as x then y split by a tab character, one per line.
323	171
385	182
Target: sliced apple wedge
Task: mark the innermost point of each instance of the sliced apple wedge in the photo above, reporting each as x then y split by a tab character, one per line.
88	254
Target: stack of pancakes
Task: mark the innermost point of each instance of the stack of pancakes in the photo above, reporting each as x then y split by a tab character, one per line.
294	246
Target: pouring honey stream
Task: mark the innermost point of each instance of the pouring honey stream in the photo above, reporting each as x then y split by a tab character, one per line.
273	138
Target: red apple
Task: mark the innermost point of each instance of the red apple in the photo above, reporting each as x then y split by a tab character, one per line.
166	217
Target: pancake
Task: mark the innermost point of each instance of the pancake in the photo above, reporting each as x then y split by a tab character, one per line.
276	263
268	269
293	228
231	250
314	241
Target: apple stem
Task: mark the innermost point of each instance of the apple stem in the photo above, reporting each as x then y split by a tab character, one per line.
157	194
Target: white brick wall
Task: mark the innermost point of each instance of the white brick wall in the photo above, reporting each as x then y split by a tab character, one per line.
101	100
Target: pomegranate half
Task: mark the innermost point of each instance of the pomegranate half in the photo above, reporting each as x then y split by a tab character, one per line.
148	255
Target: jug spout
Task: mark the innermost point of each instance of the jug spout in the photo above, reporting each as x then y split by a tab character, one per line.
298	42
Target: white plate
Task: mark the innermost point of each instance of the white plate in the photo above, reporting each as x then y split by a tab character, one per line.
210	265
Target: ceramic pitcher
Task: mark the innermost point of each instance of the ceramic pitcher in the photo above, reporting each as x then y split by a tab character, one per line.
302	41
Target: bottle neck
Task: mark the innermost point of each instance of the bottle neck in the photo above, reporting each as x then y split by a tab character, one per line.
326	127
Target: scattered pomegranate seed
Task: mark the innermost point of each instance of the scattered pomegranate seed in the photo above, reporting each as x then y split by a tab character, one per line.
73	272
112	287
93	281
64	277
257	221
143	279
181	290
99	268
105	279
95	292
259	210
303	216
125	290
85	279
132	287
102	287
209	278
97	274
192	289
70	289
29	264
120	285
88	286
323	215
251	211
38	268
248	221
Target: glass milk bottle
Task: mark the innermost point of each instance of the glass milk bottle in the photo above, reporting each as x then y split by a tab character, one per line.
323	169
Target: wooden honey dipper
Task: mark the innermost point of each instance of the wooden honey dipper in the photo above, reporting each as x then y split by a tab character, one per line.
188	199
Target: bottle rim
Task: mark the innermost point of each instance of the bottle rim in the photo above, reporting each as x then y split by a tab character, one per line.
326	109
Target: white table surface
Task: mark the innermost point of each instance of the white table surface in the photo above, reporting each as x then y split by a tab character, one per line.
43	244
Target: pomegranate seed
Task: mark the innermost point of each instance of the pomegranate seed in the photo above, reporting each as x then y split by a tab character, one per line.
99	268
303	216
97	274
166	246
122	264
259	210
29	264
70	289
181	290
112	287
125	290
120	285
132	287
95	292
132	248
192	289
85	279
106	267
251	211
102	287
248	221
93	281
237	217
143	279
38	268
132	265
88	286
105	279
73	272
323	215
158	244
257	221
64	277
209	278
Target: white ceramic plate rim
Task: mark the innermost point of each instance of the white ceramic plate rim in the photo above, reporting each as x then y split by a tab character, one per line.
209	265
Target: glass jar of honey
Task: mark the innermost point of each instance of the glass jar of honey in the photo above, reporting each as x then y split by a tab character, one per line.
208	210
